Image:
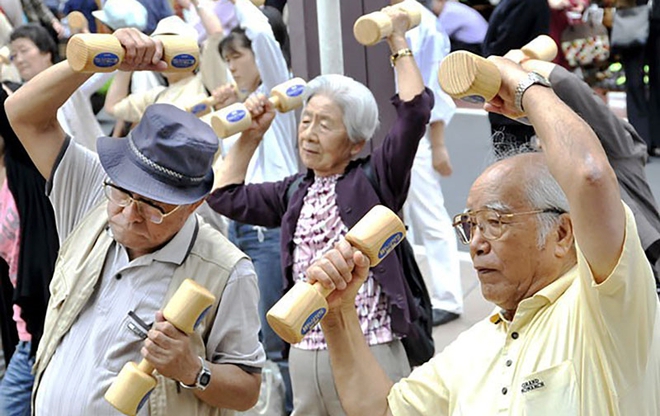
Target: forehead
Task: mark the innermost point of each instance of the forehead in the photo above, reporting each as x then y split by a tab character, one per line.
501	184
324	106
22	42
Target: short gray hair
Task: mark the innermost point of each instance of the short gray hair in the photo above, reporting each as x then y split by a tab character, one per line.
541	191
357	103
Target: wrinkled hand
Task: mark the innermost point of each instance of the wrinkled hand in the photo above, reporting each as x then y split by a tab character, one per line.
400	20
262	112
441	161
142	52
225	95
511	75
342	269
170	352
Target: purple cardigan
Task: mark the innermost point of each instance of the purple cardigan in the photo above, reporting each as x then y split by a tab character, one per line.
265	203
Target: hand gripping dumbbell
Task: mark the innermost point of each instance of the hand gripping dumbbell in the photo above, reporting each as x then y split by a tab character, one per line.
302	307
205	106
98	52
373	27
463	74
131	389
235	118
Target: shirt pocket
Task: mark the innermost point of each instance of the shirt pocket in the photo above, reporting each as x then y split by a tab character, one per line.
551	392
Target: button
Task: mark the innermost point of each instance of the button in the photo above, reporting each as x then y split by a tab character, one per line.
514	335
508	363
118	276
504	390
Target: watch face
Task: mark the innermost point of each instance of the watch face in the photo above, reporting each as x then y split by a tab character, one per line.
204	379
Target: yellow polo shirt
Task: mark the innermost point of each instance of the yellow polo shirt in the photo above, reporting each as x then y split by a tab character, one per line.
574	348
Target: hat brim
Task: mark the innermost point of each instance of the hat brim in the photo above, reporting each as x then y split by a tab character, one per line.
101	16
114	154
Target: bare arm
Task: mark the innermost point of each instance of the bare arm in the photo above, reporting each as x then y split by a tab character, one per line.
408	77
578	162
118	91
361	383
439	153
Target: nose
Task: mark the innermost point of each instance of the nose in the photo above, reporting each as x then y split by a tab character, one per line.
132	212
478	244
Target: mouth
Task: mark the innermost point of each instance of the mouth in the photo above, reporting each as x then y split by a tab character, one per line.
484	270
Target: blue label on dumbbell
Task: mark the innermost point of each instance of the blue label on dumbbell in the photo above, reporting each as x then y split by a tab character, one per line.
295	90
144	400
183	60
312	320
236	115
201	316
475	99
198	108
105	60
389	244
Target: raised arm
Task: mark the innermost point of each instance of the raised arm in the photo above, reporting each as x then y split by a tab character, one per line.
578	162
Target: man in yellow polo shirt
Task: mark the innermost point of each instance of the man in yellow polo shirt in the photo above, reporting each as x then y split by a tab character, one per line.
577	325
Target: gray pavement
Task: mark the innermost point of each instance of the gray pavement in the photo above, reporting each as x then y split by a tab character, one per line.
468	142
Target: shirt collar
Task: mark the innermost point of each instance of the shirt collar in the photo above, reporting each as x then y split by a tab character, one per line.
548	294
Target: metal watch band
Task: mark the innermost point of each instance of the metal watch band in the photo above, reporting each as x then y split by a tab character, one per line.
533	78
203	378
398	54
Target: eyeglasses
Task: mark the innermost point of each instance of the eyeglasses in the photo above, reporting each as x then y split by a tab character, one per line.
147	209
490	222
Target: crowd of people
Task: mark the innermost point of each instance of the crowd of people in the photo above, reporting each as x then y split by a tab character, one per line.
99	228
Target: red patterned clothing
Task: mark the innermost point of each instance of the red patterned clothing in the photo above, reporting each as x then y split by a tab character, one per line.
319	227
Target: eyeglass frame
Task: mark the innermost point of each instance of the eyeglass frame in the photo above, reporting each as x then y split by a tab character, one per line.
139	201
456	221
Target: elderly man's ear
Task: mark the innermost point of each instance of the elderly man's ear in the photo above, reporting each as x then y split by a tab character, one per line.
565	240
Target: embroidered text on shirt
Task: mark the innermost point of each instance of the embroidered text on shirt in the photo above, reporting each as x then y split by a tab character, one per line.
531	385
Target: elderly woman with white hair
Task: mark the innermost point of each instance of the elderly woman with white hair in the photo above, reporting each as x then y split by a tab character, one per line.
315	209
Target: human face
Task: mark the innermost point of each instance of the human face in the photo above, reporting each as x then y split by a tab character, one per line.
512	267
28	59
323	143
134	222
243	67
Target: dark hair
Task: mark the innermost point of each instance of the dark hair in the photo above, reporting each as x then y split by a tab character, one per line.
237	37
39	36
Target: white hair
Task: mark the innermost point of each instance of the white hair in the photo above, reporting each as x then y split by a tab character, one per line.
356	102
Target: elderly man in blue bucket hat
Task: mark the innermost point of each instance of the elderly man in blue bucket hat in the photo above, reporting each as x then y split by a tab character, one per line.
129	238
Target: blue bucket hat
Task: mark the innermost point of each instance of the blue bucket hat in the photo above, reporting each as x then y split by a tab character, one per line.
167	157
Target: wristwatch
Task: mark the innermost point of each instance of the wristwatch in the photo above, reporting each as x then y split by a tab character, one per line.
533	78
203	378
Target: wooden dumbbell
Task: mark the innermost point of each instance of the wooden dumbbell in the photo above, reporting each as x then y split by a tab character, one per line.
77	22
5	55
205	106
373	27
131	389
302	307
97	52
464	74
236	117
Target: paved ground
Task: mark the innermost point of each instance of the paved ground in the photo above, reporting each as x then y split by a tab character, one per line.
468	142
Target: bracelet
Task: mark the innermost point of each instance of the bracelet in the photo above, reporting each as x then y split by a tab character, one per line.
398	54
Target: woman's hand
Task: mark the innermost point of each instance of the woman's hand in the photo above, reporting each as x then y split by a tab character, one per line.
225	95
262	112
400	25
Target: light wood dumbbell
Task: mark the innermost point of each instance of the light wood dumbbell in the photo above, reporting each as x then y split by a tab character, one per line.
463	74
302	307
97	52
77	22
131	389
235	118
374	27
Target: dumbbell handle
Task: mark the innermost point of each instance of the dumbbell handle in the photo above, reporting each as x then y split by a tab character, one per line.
133	383
463	74
98	52
302	307
373	27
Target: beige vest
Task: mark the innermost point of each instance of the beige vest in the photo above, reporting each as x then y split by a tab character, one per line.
77	271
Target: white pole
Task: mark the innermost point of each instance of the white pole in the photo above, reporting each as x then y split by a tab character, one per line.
330	44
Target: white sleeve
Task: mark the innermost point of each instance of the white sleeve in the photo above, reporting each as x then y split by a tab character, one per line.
234	338
75	186
267	53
